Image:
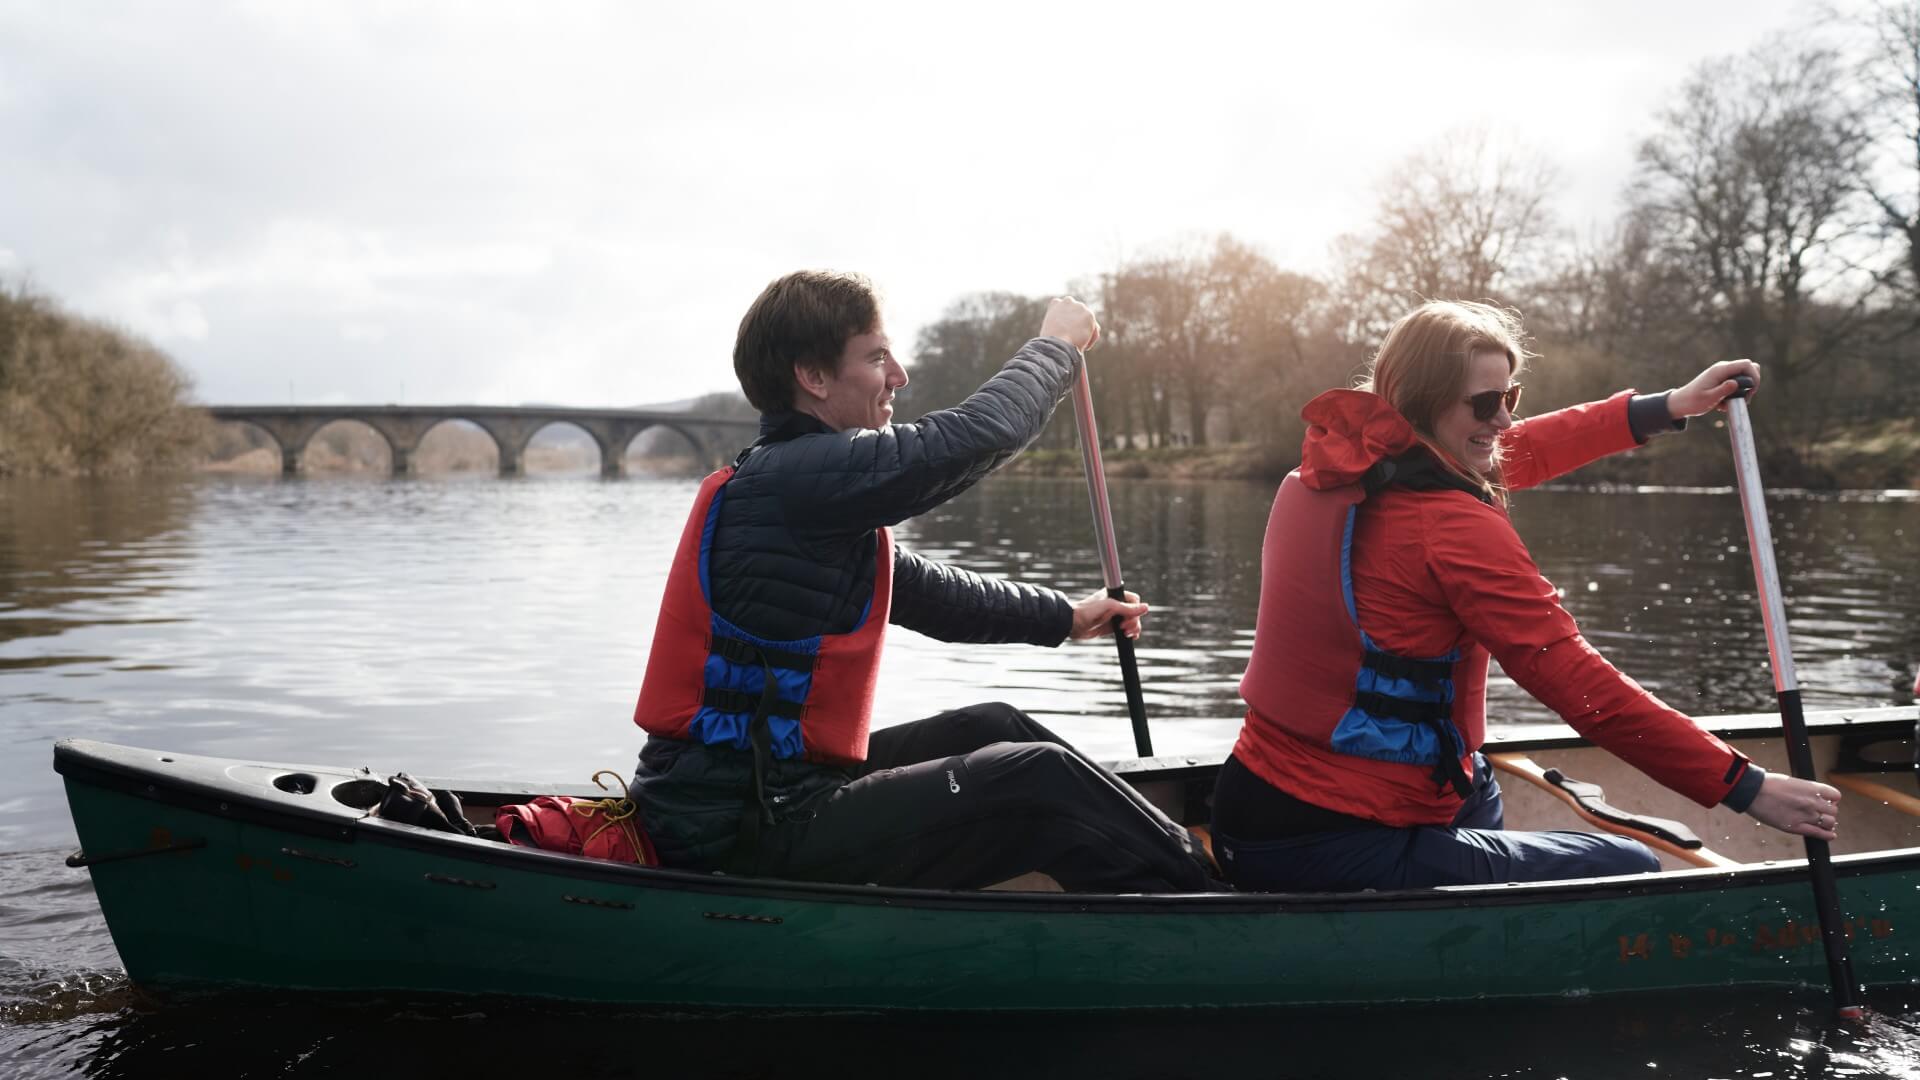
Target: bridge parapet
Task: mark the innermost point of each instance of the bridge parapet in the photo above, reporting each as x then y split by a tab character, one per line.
511	427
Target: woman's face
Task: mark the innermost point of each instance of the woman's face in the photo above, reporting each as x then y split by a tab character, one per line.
1469	440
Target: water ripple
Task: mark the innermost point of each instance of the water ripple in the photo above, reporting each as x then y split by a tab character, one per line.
500	628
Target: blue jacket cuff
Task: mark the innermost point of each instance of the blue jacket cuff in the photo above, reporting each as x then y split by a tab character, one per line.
1647	415
1744	789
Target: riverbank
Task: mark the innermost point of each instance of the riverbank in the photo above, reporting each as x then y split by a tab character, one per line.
1877	456
1240	461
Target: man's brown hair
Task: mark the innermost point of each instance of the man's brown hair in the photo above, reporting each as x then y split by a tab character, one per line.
806	318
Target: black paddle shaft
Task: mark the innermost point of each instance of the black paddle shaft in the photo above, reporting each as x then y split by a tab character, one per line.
1826	895
1130	678
1109	556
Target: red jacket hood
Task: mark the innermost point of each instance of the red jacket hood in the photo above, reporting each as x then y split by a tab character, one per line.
1349	430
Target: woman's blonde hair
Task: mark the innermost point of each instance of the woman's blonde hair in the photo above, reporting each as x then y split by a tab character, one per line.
1421	369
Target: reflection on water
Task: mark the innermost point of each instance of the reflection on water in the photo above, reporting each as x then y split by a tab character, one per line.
486	627
498	628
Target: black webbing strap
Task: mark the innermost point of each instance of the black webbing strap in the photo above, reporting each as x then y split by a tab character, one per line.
757	814
1448	773
765	703
1436	715
1403	667
1378	475
1413	712
1418	470
744	652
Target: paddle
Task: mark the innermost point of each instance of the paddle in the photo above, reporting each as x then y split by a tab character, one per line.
1826	896
1109	555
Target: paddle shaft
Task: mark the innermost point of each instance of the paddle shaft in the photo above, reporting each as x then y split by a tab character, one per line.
1109	555
1826	896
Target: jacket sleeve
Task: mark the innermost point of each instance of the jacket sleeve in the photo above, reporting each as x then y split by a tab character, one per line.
948	603
1502	600
852	482
1539	448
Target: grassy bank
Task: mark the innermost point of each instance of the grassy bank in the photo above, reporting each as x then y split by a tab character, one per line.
1874	456
1236	462
1881	455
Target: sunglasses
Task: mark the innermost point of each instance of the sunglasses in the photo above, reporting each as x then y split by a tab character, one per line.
1487	402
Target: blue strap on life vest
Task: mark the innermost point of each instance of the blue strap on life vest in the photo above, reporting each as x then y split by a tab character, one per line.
1402	706
735	676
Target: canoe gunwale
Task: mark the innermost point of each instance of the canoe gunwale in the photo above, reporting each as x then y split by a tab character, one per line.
1888	721
79	764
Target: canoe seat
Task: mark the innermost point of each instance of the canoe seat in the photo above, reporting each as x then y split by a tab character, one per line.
1859	784
1589	802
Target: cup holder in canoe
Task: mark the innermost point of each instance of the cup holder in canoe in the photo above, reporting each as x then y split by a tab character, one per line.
360	794
297	783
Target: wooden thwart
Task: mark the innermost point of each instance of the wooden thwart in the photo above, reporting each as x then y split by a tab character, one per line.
1522	766
1877	791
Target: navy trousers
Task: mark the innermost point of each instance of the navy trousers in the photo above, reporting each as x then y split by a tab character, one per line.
1474	850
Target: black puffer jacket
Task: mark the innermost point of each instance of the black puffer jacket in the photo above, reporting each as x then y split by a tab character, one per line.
792	557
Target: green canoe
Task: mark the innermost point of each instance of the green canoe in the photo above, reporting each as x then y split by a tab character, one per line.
223	873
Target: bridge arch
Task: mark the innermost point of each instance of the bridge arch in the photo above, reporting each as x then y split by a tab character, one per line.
549	428
694	442
336	439
402	427
235	440
513	433
456	445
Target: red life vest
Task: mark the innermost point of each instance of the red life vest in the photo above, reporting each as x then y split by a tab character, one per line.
1316	675
706	678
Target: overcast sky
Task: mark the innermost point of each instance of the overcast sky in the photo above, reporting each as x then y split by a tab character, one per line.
574	202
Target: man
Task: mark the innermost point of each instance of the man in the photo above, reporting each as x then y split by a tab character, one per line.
759	689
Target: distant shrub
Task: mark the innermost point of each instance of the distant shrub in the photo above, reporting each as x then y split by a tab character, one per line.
78	395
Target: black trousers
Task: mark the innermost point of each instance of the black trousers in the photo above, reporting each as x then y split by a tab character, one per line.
976	796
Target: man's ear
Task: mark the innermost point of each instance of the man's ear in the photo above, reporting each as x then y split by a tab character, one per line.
811	381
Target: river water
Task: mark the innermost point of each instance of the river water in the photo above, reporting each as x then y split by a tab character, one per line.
483	627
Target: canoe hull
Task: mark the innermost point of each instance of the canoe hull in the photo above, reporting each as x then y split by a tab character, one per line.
280	898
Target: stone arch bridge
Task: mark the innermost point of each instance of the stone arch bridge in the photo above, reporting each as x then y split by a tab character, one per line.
713	438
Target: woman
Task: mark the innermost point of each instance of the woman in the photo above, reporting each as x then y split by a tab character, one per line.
1390	573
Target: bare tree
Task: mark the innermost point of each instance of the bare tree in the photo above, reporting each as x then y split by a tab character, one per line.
1289	351
1147	310
1180	317
78	395
1611	295
1889	69
969	342
1460	219
1749	194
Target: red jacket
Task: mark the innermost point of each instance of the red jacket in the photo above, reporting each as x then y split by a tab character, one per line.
1435	571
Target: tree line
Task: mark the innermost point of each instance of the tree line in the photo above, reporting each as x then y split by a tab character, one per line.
79	395
1773	213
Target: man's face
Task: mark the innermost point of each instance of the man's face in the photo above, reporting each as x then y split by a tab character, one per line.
859	392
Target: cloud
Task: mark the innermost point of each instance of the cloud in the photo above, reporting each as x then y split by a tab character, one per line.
575	203
185	321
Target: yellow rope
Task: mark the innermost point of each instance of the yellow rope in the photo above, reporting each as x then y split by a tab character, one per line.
618	811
